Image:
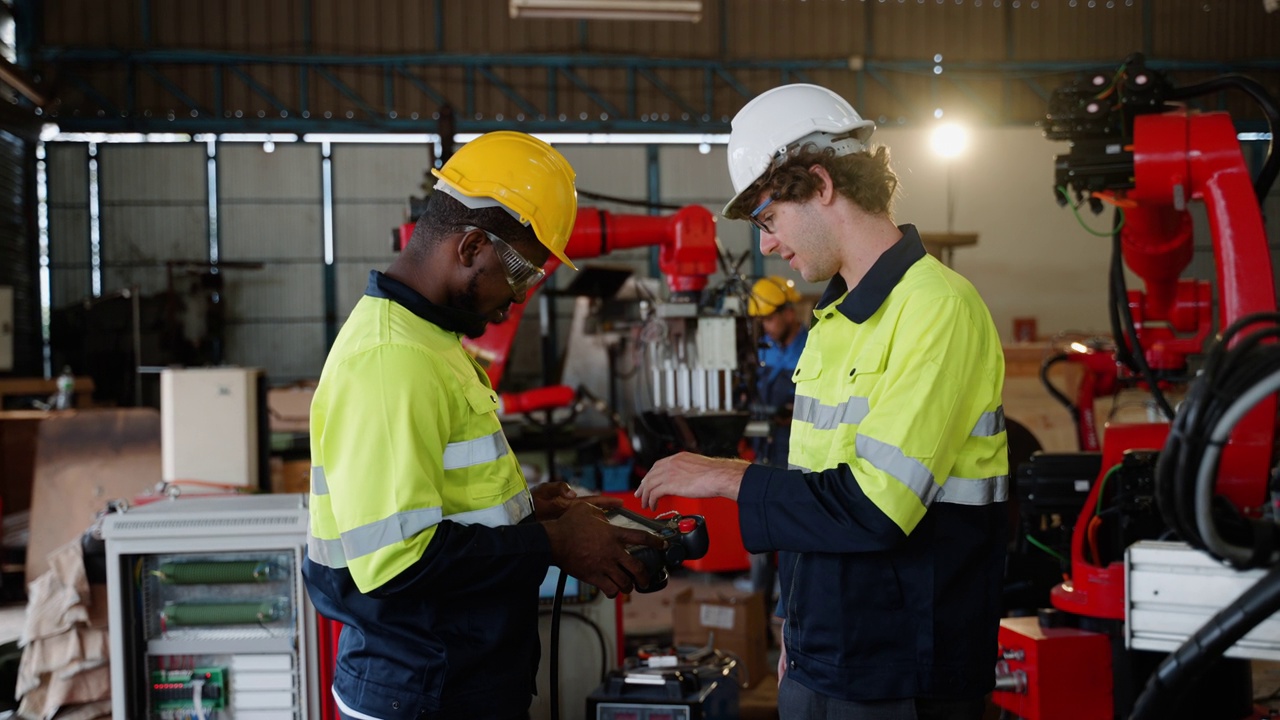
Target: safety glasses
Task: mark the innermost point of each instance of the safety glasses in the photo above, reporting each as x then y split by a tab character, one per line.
522	275
755	216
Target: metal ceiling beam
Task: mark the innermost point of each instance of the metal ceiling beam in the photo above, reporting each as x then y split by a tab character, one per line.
540	110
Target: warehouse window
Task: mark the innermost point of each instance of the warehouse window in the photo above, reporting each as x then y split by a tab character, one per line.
8	32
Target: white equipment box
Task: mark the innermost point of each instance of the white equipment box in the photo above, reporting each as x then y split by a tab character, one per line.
1172	590
207	609
209	425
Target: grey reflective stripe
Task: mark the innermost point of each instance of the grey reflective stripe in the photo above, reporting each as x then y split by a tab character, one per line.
906	470
829	417
475	452
961	491
388	531
854	410
990	423
508	513
326	552
967	491
319	486
370	538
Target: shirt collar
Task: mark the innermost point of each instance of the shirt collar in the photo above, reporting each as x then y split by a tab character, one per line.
863	301
452	319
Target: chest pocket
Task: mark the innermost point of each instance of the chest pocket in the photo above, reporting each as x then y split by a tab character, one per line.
867	368
482	400
809	368
483	450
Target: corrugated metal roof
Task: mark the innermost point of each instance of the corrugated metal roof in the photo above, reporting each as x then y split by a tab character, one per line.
1103	31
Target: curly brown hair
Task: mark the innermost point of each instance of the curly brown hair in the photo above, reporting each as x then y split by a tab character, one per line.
865	178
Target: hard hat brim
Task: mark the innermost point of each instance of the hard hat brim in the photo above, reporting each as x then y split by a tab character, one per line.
456	188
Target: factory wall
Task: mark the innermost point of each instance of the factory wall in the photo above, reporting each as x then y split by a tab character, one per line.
67	169
1032	258
270	242
18	268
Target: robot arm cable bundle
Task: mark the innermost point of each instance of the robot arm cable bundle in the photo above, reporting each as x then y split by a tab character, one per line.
1237	376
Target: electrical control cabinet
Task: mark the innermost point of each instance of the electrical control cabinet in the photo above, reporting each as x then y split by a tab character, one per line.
209	617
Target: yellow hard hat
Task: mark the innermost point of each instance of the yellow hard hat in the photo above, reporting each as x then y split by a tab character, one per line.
523	174
771	293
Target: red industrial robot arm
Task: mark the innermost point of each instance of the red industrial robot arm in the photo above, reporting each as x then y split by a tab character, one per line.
1155	158
687	257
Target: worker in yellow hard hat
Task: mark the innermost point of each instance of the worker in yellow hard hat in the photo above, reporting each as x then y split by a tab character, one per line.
426	542
772	302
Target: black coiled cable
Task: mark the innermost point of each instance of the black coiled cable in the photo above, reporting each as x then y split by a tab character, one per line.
1241	358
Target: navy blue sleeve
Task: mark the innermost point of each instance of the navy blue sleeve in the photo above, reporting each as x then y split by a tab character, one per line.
811	512
476	558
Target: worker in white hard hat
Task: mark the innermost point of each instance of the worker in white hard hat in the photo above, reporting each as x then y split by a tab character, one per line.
425	540
890	521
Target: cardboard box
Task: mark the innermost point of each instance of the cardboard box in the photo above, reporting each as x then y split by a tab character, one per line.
290	476
733	622
289	408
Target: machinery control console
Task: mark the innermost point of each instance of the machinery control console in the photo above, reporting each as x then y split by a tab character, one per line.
686	537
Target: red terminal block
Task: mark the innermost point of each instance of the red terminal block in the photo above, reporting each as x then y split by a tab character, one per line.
1053	673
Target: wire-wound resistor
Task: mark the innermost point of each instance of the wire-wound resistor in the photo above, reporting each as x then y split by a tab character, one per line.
224	613
208	572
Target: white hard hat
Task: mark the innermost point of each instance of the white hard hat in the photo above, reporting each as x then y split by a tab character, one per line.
788	116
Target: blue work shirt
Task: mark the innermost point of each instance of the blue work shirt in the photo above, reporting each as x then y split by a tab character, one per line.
777	392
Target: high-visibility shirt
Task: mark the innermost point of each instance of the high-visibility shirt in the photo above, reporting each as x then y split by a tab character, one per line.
891	518
421	539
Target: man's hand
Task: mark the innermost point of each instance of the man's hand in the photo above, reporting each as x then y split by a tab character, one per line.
691	476
551	499
586	546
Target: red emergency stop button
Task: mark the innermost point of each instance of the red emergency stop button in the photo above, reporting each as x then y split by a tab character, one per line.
686	525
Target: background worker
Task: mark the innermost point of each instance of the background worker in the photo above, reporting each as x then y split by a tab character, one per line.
891	522
773	301
425	540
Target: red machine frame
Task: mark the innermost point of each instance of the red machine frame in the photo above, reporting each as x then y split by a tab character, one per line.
1178	156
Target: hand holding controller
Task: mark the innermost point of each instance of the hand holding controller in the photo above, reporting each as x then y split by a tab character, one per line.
685	536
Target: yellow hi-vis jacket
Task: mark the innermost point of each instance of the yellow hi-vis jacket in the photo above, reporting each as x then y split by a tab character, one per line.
891	518
417	543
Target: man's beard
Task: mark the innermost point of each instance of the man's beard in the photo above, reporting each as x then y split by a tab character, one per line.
469	299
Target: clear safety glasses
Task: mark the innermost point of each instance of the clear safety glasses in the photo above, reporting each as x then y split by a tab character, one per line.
522	275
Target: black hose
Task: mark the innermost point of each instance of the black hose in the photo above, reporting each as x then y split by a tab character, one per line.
1228	372
553	679
1188	662
1258	91
1057	394
1136	355
627	201
1116	293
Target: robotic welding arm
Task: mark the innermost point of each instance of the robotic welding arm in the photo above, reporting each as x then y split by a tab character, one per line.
687	257
1132	147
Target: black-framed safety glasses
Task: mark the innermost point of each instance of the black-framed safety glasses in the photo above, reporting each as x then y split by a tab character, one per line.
755	215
